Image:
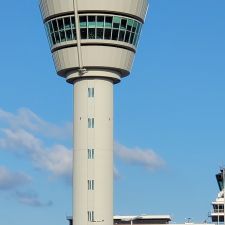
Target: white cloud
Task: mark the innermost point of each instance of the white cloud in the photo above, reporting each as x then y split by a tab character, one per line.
21	133
56	159
137	156
28	120
30	198
11	180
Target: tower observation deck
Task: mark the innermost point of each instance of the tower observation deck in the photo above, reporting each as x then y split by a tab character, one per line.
93	43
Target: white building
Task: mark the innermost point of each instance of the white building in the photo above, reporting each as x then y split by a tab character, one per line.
217	213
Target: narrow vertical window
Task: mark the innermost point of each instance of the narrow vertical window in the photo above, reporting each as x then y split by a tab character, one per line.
91	216
91	184
91	153
91	92
91	122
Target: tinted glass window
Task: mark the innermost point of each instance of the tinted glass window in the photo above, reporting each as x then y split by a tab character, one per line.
116	22
91	21
83	33
83	21
116	28
115	34
67	23
73	22
123	24
107	35
91	33
108	21
99	33
100	21
60	24
55	27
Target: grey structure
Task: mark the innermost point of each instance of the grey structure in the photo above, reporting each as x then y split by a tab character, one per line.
137	220
93	43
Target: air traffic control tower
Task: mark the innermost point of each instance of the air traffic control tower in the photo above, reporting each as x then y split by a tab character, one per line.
93	43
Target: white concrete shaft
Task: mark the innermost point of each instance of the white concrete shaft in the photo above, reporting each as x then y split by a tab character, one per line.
99	138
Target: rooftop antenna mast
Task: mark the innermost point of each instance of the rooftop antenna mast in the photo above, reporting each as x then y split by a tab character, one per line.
223	171
81	69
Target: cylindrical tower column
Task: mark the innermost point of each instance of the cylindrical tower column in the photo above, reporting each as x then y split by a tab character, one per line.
93	151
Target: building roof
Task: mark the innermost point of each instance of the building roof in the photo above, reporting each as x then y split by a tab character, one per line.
143	217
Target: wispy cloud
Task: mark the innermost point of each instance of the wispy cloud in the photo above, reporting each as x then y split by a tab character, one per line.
11	180
56	159
28	120
137	156
31	198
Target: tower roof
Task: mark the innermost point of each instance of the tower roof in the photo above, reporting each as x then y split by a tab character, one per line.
134	8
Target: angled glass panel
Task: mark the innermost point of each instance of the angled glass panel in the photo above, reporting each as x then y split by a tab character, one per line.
131	38
116	21
83	21
123	24
100	21
53	38
74	33
67	23
73	22
127	36
138	28
99	34
50	27
108	21
55	27
57	37
69	35
62	36
91	33
91	21
134	28
83	33
115	34
60	24
129	24
107	34
121	35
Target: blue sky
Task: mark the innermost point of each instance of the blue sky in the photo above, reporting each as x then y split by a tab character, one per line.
169	117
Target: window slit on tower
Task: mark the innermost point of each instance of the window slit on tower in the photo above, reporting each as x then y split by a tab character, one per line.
91	216
91	122
91	92
91	153
91	184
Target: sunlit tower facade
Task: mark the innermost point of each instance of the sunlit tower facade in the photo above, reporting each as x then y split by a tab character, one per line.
93	43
